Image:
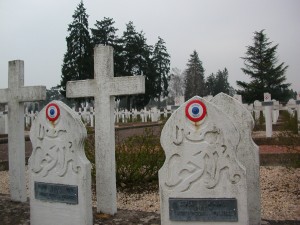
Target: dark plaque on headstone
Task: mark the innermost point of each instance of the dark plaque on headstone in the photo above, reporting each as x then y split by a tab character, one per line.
297	102
203	209
267	103
56	192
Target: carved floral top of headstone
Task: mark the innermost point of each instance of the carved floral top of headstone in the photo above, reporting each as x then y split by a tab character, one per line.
201	143
58	162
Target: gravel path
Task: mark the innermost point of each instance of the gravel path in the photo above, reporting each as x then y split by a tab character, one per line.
280	194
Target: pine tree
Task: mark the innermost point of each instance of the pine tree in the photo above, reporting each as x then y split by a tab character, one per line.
194	77
78	60
161	60
222	84
261	65
210	84
105	32
136	58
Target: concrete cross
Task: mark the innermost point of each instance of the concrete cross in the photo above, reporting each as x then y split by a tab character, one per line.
15	96
103	88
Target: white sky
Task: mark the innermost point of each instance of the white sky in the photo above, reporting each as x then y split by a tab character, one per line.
219	30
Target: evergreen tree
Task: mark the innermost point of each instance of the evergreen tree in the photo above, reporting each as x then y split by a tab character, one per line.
194	77
78	60
264	72
222	84
105	32
136	59
218	83
161	60
210	84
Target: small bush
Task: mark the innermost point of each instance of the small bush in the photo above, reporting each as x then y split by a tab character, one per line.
138	159
260	122
290	122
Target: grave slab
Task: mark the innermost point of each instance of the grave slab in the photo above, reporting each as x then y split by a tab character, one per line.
60	174
202	180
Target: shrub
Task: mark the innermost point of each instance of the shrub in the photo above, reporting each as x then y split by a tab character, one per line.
138	159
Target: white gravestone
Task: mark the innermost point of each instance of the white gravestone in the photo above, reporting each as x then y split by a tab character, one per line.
268	104
257	108
103	88
275	112
60	174
202	180
15	96
238	98
247	150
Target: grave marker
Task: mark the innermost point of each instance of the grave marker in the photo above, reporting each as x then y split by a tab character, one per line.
103	88
60	174
247	151
15	96
238	98
268	104
202	180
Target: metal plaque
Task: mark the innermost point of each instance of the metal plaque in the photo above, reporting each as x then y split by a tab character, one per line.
297	102
56	192
203	209
267	103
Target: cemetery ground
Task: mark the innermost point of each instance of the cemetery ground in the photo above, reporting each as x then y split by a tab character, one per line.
139	156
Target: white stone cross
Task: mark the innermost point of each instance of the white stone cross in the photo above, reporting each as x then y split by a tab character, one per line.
15	96
103	88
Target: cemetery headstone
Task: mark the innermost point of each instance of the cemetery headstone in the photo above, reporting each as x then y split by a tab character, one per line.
60	174
257	108
247	151
268	104
103	88
238	98
275	112
15	96
202	180
179	100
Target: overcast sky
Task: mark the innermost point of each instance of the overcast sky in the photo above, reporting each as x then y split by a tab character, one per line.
35	31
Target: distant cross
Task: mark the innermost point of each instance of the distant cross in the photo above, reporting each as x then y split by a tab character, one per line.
15	96
103	88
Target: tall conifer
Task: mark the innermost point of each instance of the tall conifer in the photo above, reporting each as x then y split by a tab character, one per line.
266	75
194	77
78	60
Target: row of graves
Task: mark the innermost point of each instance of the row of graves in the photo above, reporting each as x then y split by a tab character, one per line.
87	113
271	109
210	174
